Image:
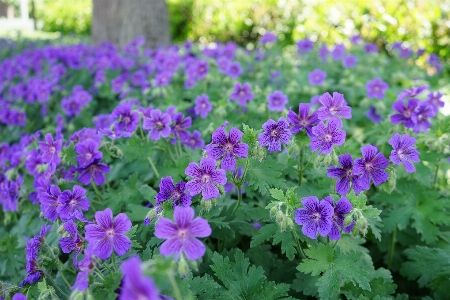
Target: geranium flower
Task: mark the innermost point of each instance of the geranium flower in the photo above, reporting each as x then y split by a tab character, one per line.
315	217
404	151
205	178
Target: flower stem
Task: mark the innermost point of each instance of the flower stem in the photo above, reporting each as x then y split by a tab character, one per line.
239	199
57	286
179	147
391	251
300	163
153	166
171	154
97	192
300	250
175	287
113	257
435	175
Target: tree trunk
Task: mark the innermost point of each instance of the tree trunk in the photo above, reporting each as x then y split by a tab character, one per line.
121	21
6	10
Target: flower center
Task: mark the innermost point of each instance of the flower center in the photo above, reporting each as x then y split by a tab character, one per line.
52	149
242	93
110	233
304	123
182	234
193	142
349	172
228	147
126	120
316	216
369	166
333	110
420	117
159	125
205	178
88	155
328	137
274	133
203	105
176	195
72	202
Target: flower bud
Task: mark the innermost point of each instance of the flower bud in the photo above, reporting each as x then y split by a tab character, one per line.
221	189
348	220
355	231
116	152
183	267
206	205
76	295
283	225
220	111
280	217
151	214
362	225
392	181
61	229
327	160
334	158
273	212
261	153
290	223
89	297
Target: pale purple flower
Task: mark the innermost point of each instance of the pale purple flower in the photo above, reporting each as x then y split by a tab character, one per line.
323	53
338	52
135	286
72	202
372	114
234	69
202	106
434	100
274	134
277	101
181	235
355	39
370	48
88	152
175	192
304	46
114	134
108	234
242	93
205	178
303	120
412	92
94	171
268	37
158	123
325	137
50	150
344	174
376	88
85	266
228	147
315	217
404	151
371	167
333	107
317	77
349	61
180	125
125	118
193	140
405	112
341	208
420	117
71	242
19	296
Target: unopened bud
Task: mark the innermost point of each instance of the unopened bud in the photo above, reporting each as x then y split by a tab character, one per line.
76	295
334	158
206	205
327	160
348	220
290	223
283	225
116	152
221	189
392	181
261	153
183	267
89	297
61	230
151	214
273	212
280	217
362	225
355	231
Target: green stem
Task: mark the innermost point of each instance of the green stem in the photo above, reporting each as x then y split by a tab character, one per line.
153	166
391	251
435	175
113	257
179	148
171	154
57	286
300	163
239	199
175	287
97	271
300	250
97	192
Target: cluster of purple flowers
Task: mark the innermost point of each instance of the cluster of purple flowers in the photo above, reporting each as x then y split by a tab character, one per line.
324	217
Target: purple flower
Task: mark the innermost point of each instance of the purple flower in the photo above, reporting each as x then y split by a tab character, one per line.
180	125
158	123
317	77
242	93
412	92
274	134
349	61
404	112
205	178
50	150
71	242
167	191
181	236
325	137
95	171
202	106
277	100
345	175
85	266
420	117
193	140
355	39
303	120
125	118
323	53
227	147
342	207
268	37
50	202
333	107
19	296
234	70
371	167
434	100
376	88
135	285
114	134
72	202
370	48
404	151
315	217
304	46
102	121
372	114
107	234
338	52
88	152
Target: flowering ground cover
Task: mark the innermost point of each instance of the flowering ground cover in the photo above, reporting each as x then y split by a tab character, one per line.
222	173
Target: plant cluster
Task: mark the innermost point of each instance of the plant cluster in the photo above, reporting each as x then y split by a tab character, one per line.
223	173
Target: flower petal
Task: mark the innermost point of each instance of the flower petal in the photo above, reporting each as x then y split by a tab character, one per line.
122	244
199	228
165	228
183	216
122	224
193	248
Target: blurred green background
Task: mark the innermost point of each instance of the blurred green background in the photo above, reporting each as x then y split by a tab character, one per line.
422	23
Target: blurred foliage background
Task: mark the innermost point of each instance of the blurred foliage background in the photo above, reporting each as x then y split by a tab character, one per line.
421	23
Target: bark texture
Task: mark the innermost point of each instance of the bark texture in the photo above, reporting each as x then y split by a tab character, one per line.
121	21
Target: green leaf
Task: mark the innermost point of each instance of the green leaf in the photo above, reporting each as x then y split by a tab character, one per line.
270	231
136	212
148	193
132	234
68	155
250	136
277	194
204	287
266	174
